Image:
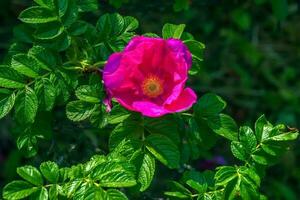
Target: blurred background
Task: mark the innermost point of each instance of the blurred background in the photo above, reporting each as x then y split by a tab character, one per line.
252	60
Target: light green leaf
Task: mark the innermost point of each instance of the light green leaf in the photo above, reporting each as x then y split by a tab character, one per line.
46	92
30	174
61	6
37	15
18	190
89	93
114	174
131	23
247	138
113	194
146	172
79	110
238	150
44	56
46	3
285	136
172	31
41	194
26	106
26	65
259	127
164	150
6	104
10	78
50	171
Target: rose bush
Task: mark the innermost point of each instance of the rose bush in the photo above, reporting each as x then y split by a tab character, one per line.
60	74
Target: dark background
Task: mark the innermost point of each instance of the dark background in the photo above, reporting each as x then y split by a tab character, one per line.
252	60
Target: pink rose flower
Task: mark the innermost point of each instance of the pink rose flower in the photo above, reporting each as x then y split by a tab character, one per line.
149	76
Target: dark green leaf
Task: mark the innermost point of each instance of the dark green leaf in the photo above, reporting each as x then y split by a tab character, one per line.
79	110
49	31
110	25
209	104
164	150
223	125
46	92
87	5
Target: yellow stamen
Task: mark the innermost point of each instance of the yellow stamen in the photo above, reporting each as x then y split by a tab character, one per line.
152	86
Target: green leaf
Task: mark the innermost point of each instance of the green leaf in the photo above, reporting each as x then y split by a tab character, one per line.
292	135
46	3
110	25
223	125
50	171
113	194
117	115
41	194
131	23
172	31
44	56
113	174
60	43
79	110
71	14
46	92
260	159
26	106
239	151
6	104
146	172
27	144
224	175
30	174
37	15
26	65
130	128
53	192
259	127
196	48
180	191
61	6
18	190
78	28
89	93
247	138
209	104
10	78
201	188
164	150
167	126
87	5
49	31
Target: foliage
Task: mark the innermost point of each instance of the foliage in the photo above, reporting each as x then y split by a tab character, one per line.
55	64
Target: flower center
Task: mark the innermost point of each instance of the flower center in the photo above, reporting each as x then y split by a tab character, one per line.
152	86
